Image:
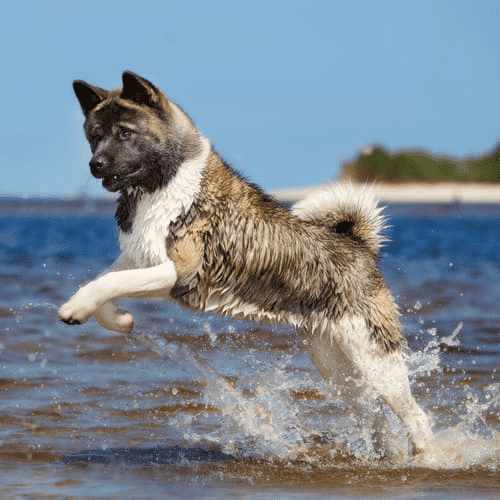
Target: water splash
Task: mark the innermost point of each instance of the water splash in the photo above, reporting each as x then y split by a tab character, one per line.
267	408
261	417
469	435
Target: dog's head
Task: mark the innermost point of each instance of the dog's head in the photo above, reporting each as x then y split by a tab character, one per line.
137	136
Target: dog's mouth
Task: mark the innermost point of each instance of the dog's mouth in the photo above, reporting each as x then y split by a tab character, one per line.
113	182
117	182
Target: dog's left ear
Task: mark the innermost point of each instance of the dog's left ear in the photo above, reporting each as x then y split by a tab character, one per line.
139	90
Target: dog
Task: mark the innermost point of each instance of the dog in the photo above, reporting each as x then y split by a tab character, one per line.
195	231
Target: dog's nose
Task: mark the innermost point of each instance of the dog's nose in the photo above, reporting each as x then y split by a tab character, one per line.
98	165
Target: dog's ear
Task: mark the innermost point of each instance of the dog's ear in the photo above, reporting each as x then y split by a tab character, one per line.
139	90
88	96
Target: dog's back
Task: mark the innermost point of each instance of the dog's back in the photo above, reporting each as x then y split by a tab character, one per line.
256	259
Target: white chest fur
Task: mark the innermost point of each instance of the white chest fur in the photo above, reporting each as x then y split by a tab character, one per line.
145	243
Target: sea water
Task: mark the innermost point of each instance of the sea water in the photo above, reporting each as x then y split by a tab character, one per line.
194	405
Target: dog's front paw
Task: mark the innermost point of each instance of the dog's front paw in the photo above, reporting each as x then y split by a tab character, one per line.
124	322
77	310
111	317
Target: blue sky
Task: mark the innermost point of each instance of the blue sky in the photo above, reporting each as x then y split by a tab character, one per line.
285	90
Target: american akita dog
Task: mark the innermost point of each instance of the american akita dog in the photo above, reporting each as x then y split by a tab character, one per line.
193	230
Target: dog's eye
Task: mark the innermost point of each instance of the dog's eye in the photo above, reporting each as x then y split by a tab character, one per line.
124	134
96	134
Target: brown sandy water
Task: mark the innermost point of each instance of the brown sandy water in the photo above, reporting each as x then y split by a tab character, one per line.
197	406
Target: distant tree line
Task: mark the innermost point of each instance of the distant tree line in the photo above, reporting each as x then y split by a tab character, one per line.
376	163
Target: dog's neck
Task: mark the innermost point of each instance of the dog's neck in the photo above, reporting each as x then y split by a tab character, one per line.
143	236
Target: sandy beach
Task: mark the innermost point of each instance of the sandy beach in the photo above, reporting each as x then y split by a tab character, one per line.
413	193
447	193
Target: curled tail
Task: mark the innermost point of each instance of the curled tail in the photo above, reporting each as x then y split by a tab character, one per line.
346	209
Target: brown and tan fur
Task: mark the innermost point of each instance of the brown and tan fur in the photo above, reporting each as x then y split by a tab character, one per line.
231	255
195	231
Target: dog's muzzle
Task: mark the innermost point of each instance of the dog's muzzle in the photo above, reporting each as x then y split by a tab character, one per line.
98	166
100	169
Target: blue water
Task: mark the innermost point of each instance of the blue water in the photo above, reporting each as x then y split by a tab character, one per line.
224	407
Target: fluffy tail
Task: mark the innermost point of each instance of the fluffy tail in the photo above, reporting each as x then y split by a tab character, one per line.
346	209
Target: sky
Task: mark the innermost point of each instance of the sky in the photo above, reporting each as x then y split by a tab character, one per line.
286	90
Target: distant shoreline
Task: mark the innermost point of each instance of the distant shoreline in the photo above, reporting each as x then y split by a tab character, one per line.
413	192
56	204
417	193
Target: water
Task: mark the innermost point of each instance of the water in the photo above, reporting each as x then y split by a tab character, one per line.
197	406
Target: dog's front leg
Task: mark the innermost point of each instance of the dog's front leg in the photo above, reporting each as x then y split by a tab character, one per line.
113	285
109	315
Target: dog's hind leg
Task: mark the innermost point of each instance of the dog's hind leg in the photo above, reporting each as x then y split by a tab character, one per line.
347	382
386	373
334	366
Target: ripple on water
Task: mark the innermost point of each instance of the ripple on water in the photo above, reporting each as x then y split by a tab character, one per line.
229	402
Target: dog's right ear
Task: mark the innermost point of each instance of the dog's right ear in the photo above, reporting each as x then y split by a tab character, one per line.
88	96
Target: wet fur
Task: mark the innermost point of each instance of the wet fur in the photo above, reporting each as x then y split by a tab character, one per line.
193	230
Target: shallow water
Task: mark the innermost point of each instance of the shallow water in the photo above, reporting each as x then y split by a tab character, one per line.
198	406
